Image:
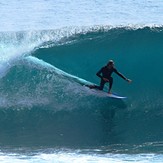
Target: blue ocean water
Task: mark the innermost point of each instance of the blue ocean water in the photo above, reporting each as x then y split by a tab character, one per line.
49	50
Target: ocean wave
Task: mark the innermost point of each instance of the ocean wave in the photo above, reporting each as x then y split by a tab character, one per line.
42	94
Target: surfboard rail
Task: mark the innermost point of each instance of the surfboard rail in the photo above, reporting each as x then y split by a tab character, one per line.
110	95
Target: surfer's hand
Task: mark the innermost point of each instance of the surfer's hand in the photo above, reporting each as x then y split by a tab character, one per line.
128	80
106	80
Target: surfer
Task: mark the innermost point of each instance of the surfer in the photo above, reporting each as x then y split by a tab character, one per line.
105	74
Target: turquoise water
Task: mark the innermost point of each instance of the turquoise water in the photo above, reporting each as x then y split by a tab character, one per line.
47	115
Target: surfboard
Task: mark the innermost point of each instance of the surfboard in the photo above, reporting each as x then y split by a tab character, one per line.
112	95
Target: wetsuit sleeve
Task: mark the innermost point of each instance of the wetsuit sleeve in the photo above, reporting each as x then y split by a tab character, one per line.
119	74
99	73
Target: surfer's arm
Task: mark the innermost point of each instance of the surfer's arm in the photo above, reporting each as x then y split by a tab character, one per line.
119	74
122	76
99	73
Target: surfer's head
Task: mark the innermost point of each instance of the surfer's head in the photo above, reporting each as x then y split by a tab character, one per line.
110	63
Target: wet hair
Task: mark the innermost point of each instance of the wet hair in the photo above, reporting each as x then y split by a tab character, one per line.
110	62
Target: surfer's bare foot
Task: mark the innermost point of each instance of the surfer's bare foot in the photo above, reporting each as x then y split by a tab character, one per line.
109	93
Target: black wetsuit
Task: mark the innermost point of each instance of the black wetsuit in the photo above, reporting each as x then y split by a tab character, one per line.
106	72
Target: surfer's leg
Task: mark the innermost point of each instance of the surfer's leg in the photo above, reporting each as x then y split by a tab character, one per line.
102	83
110	83
93	86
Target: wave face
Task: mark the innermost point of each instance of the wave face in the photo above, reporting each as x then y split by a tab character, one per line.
43	102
